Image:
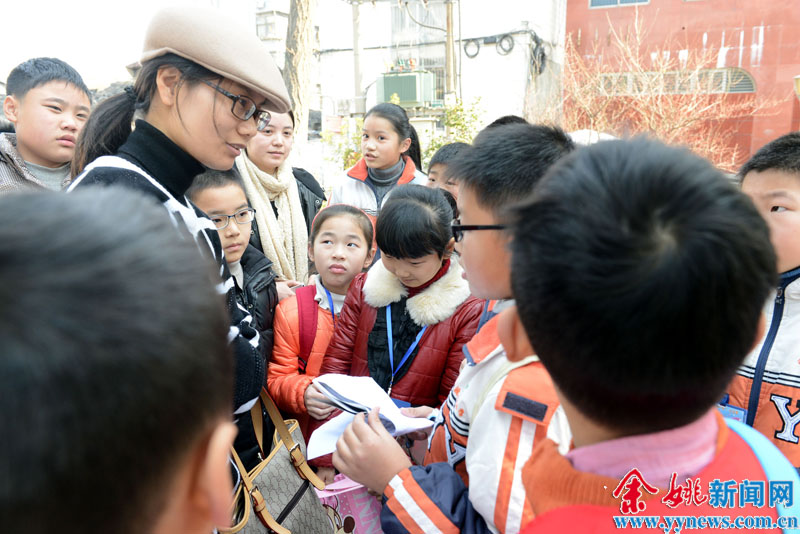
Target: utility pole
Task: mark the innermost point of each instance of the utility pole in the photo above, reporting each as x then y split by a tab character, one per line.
449	55
360	99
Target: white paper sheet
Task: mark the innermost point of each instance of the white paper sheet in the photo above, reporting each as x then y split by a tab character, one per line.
365	391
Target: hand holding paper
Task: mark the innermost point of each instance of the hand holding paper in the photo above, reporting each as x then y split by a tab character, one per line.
368	454
357	394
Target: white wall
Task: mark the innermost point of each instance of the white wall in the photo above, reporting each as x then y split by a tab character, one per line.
501	82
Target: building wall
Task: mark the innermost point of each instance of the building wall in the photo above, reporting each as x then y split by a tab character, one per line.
502	82
758	36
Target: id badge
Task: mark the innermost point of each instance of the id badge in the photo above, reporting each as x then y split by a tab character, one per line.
733	412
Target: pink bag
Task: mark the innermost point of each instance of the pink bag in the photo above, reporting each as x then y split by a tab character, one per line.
350	507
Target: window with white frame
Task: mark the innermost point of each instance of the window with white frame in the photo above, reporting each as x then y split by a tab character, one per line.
614	3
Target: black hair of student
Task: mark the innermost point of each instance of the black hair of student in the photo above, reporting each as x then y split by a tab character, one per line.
506	119
398	118
109	125
39	71
414	149
212	179
447	153
452	201
781	154
639	273
414	222
106	383
338	210
504	163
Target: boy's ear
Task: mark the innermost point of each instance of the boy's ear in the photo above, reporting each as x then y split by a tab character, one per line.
202	491
512	335
311	252
167	80
214	483
11	108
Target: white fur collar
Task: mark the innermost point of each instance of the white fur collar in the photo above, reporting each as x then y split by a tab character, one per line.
435	304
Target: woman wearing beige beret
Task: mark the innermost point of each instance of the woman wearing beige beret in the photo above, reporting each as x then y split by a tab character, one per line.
206	87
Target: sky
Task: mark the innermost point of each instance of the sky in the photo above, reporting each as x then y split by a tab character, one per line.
97	37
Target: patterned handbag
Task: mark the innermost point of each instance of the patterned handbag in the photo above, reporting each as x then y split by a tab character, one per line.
278	494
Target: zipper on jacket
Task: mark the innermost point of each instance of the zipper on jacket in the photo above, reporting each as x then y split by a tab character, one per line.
766	348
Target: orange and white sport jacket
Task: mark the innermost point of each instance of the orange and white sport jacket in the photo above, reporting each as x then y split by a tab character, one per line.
767	385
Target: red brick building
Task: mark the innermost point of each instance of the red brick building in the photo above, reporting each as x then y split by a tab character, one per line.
759	39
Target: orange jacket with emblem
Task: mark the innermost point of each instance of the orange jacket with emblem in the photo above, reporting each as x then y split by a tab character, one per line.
767	385
285	383
567	500
497	412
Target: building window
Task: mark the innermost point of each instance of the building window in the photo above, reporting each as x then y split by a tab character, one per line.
705	81
614	3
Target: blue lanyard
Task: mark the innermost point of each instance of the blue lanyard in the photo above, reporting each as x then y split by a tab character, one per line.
330	303
391	347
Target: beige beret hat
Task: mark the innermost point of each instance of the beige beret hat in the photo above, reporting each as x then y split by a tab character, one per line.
217	42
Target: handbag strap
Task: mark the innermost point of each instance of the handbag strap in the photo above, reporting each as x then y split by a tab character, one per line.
258	427
259	503
298	460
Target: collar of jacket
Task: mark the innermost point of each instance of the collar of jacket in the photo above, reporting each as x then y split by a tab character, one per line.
165	161
254	260
789	281
359	171
11	156
435	304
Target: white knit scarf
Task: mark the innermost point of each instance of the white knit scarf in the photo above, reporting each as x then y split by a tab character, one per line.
285	238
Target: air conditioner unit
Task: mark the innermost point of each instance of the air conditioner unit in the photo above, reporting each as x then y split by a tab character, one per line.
415	89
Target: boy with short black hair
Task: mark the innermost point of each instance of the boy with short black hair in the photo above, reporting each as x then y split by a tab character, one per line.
438	175
48	104
765	392
512	403
116	403
639	273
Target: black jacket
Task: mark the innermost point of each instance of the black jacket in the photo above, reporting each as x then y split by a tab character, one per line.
259	296
311	194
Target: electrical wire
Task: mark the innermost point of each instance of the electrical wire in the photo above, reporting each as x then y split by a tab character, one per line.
421	24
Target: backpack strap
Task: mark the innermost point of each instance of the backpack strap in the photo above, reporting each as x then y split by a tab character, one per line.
307	315
774	463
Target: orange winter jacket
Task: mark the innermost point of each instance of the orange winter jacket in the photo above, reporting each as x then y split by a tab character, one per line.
284	381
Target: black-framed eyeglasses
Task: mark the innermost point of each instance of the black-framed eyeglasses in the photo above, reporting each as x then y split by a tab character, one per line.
459	229
243	216
244	108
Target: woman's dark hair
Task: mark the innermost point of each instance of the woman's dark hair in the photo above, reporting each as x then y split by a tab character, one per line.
399	120
212	179
342	209
109	125
414	222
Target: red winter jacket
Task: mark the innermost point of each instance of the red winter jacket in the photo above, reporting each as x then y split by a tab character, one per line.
445	306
